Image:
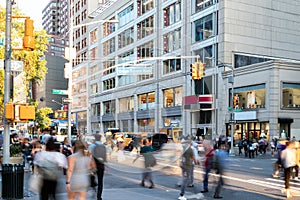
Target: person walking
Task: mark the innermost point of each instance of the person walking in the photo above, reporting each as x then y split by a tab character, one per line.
187	159
220	161
80	165
147	153
207	166
98	151
288	158
49	163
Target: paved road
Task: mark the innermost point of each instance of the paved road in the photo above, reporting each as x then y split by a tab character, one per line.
245	179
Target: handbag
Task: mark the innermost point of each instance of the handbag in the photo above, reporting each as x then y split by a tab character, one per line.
93	181
35	183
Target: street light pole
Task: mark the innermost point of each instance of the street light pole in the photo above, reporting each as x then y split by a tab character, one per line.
232	153
7	70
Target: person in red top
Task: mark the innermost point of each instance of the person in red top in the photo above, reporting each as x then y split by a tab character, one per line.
207	165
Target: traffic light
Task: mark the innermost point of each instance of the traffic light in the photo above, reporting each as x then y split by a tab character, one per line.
27	112
235	101
28	39
10	112
201	68
194	71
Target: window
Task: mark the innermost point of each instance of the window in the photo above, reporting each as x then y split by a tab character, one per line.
172	14
243	60
145	27
109	67
93	53
109	27
96	109
109	84
93	36
126	15
126	104
172	97
146	101
145	50
109	47
126	37
172	41
290	96
109	107
171	65
203	28
202	4
249	97
144	6
94	88
93	72
205	53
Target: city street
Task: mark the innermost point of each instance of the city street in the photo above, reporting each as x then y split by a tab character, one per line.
244	179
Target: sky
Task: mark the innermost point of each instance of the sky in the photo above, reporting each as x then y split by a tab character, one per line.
32	8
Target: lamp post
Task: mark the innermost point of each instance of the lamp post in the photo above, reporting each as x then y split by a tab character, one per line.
7	70
231	80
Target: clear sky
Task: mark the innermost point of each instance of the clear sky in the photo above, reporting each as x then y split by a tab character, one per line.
32	8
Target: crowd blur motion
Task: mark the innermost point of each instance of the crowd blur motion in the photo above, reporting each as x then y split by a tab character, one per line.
145	153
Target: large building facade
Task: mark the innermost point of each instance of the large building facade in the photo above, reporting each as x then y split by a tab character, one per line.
249	48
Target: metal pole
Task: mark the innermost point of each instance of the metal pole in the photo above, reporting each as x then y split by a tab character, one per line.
70	75
232	115
7	71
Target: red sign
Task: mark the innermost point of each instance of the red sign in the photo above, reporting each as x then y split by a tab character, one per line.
206	99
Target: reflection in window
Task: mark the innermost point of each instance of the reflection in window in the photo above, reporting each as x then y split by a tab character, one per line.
172	14
206	55
172	41
202	4
109	84
204	28
291	95
145	27
250	97
172	65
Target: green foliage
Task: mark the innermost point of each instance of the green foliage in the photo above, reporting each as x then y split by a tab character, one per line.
35	68
15	150
41	117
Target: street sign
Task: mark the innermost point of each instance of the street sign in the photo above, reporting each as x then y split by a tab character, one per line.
61	92
67	100
15	65
134	71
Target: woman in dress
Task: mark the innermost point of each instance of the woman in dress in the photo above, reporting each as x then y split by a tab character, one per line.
80	165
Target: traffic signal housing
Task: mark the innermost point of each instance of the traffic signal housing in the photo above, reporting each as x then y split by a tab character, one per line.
10	111
28	39
201	68
235	101
194	71
27	112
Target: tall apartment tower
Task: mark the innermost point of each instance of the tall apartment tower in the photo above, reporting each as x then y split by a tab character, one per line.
55	22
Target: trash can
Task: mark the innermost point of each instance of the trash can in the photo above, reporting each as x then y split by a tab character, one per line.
12	181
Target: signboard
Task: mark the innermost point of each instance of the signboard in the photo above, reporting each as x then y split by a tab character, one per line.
249	115
15	65
62	92
134	71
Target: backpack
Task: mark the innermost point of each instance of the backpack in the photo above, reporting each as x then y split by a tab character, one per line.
99	154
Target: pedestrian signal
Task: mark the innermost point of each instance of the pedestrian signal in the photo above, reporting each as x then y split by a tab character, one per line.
28	39
236	101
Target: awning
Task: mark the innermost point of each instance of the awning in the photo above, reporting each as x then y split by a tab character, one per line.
285	120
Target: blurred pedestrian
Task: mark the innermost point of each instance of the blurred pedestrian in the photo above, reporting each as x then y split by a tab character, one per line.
281	145
98	151
147	153
220	161
80	165
207	167
288	158
26	148
49	164
187	161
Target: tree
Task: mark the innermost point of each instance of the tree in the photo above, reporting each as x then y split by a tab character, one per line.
35	69
41	117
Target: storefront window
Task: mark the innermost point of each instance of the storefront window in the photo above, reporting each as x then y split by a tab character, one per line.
146	101
249	97
126	104
173	97
290	96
